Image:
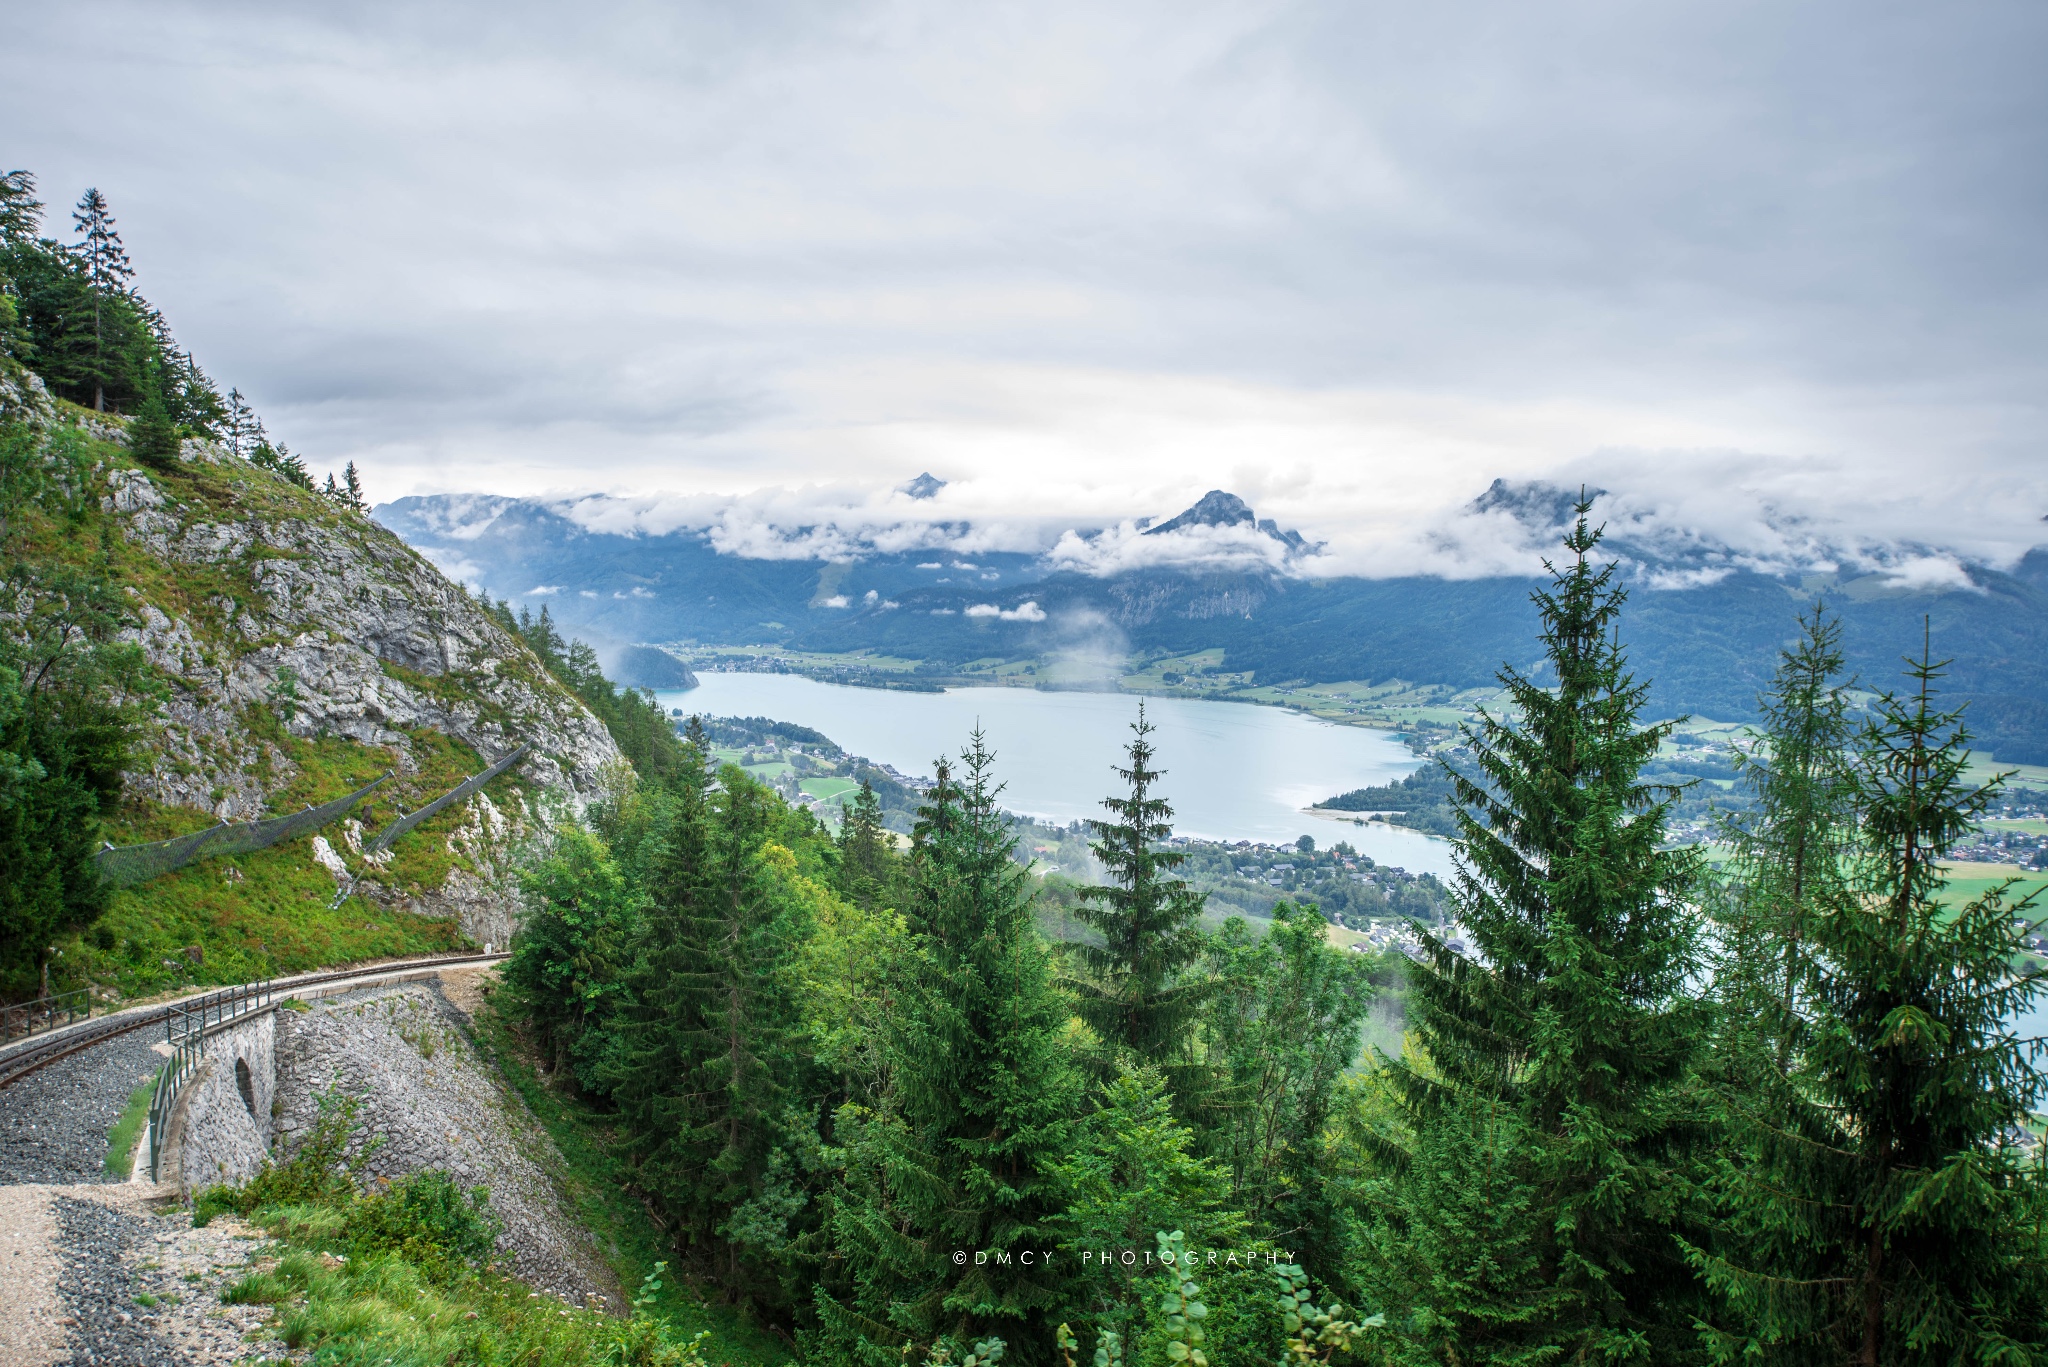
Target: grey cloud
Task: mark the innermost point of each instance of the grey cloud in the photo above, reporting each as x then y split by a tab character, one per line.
629	247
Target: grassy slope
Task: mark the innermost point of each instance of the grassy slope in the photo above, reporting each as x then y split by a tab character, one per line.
597	1185
256	915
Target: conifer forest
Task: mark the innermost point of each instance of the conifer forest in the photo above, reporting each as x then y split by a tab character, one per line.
1658	1110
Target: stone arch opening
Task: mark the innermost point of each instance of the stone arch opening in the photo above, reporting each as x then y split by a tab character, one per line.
246	1085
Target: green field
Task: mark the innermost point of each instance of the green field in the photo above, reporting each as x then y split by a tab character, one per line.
829	789
1967	882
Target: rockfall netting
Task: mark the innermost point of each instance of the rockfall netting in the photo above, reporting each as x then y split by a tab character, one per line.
455	794
126	865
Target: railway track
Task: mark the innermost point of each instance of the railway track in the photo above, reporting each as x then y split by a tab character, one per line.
22	1062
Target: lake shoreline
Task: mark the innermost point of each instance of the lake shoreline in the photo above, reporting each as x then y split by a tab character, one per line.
1233	774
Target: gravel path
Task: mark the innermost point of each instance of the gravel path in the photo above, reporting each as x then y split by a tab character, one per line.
97	1284
101	1278
54	1122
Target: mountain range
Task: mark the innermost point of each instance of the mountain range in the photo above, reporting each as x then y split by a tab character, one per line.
1704	621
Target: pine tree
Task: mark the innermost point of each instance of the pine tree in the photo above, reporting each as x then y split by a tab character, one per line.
21	218
983	1106
244	428
352	489
107	271
1139	998
710	1053
151	437
21	213
1552	1062
1881	1211
867	863
1789	847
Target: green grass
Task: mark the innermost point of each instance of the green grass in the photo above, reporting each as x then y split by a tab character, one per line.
599	1186
251	916
829	789
121	1138
362	1310
1967	882
267	913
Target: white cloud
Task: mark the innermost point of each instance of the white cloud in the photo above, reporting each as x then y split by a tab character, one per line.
837	600
543	590
1925	572
1126	546
1023	612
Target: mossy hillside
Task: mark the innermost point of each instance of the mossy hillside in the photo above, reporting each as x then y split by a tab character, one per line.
229	919
272	912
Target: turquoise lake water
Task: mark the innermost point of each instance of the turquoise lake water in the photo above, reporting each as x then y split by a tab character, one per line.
1234	771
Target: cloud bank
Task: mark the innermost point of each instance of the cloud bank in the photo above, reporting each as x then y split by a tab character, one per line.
1779	264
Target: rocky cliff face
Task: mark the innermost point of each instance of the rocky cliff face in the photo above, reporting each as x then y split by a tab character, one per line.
272	614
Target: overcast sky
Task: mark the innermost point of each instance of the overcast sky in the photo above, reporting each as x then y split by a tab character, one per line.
1351	260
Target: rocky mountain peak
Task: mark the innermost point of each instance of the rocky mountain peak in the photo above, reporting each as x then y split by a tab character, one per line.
1216	508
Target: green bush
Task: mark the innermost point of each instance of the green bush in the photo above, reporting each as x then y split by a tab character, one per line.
317	1174
428	1221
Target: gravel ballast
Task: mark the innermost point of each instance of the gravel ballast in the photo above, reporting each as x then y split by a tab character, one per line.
54	1122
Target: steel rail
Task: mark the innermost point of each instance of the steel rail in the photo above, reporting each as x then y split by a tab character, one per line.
20	1064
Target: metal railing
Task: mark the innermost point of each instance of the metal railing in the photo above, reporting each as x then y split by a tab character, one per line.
44	1013
185	1027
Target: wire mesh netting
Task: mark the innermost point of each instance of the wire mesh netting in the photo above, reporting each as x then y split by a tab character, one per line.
455	794
127	865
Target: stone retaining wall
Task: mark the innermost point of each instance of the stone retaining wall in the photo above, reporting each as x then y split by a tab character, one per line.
429	1101
221	1127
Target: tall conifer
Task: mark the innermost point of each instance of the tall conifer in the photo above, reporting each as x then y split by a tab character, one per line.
711	1053
1138	997
1789	847
1881	1211
867	863
961	1161
107	272
1535	1220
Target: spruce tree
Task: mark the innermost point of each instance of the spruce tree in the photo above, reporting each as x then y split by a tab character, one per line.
1138	997
21	213
107	272
1881	1211
1789	847
710	1053
867	863
960	1161
244	428
1551	1063
352	488
151	437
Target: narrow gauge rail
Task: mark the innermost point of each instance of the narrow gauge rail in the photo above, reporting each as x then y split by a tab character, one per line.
22	1062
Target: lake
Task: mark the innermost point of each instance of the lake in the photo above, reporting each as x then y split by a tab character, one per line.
1234	771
